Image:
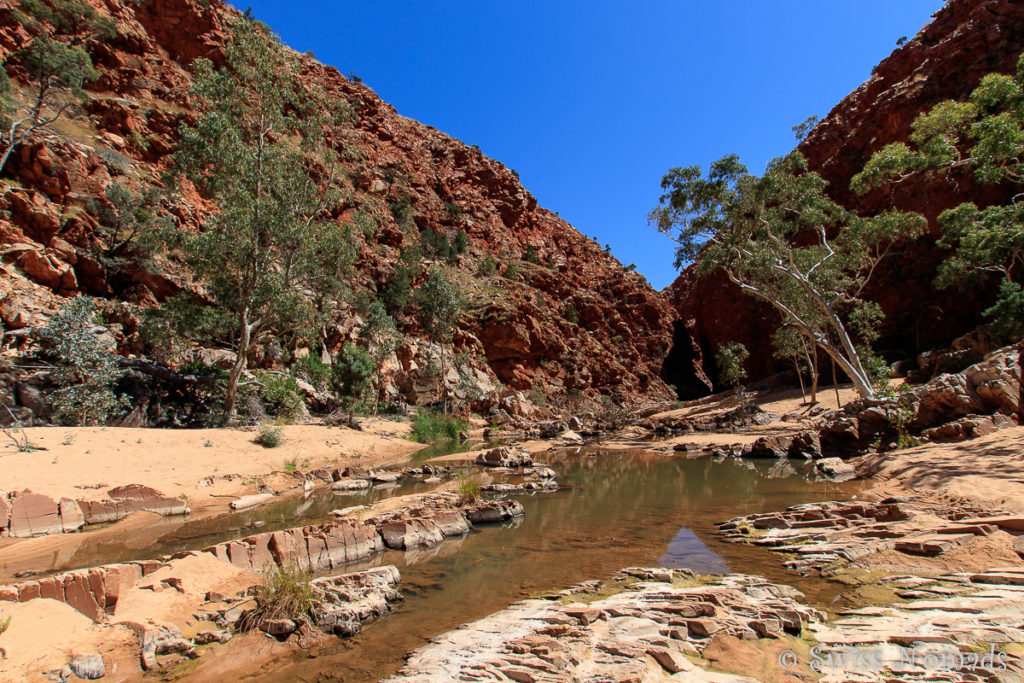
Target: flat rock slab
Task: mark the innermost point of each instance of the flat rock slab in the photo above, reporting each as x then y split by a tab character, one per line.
632	635
246	502
932	545
350	485
33	514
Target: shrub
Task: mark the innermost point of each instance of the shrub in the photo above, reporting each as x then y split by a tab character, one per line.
537	395
5	623
487	267
283	392
403	212
429	426
730	359
460	242
350	377
570	313
269	437
530	255
469	488
312	369
86	366
397	290
283	593
452	209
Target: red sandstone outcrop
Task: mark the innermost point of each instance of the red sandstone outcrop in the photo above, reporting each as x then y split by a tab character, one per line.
25	514
966	40
520	327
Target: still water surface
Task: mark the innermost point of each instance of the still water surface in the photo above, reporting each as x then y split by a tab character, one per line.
615	510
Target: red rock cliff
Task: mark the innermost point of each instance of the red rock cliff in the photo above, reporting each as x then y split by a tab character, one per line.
966	40
575	321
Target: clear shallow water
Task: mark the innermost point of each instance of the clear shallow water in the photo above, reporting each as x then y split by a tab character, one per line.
617	510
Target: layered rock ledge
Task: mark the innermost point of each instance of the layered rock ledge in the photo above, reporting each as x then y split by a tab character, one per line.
656	626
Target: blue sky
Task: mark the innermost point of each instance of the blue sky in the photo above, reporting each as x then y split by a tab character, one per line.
591	102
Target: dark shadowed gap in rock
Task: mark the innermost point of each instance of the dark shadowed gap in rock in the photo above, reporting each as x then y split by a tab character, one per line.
682	368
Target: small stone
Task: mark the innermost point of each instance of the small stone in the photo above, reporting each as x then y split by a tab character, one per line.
89	667
206	637
278	627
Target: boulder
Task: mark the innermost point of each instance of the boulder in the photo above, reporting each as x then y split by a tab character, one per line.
410	533
493	511
88	667
570	438
503	456
835	467
32	398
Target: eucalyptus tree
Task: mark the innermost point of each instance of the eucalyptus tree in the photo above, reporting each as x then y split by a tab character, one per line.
985	136
440	306
781	239
55	64
381	338
258	151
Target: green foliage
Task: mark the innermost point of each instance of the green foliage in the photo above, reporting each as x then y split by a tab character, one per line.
351	376
511	270
460	242
437	244
537	395
283	392
126	220
269	437
748	226
381	338
452	209
986	135
440	305
903	414
428	426
397	291
488	267
790	344
403	213
85	366
469	488
730	359
570	313
258	148
68	17
55	68
802	130
312	369
5	623
530	255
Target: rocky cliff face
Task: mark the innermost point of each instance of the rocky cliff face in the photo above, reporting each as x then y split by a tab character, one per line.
571	321
965	40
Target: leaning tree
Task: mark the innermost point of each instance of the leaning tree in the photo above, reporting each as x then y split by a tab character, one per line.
781	239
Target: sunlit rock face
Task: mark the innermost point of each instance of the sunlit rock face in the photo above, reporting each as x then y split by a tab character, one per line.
572	320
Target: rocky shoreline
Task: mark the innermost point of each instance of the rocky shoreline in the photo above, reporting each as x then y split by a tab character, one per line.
651	623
